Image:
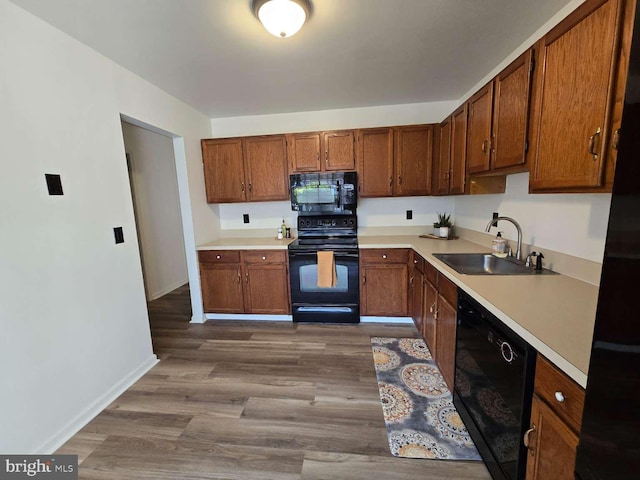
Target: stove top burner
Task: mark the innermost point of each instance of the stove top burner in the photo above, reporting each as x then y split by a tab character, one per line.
326	232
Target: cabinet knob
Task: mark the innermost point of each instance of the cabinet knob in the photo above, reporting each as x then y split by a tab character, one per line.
560	396
415	262
384	255
218	257
264	258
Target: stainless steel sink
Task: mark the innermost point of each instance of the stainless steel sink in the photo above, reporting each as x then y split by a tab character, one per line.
486	264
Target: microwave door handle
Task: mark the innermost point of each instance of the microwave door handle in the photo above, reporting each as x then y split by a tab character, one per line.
339	192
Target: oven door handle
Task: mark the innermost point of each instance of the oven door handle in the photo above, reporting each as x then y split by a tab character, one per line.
336	255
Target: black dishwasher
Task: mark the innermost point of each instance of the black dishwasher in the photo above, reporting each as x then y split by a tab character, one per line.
493	387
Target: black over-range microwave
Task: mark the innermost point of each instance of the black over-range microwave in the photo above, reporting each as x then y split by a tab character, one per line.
324	193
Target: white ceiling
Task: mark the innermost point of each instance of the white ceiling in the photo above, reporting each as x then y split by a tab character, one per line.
215	55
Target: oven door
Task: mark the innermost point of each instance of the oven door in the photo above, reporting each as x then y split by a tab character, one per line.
313	303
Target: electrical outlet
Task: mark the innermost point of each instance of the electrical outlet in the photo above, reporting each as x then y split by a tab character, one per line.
409	214
117	232
245	217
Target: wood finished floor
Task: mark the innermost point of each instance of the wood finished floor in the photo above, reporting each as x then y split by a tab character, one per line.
252	400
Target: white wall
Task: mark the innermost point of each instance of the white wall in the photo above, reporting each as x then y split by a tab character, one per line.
155	192
366	117
73	317
572	224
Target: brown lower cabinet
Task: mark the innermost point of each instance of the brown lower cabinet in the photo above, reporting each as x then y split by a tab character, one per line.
384	278
556	413
247	281
435	315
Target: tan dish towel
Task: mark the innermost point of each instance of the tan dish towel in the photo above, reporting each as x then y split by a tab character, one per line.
326	270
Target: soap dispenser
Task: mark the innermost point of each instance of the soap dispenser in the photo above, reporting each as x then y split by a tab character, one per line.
498	245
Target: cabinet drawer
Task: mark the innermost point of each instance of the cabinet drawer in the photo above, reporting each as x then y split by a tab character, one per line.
431	273
563	395
264	256
448	290
219	256
380	255
418	262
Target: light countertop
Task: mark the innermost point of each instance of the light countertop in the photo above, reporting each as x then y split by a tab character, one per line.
554	313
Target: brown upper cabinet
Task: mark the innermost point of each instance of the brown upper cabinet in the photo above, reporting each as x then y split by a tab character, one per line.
321	151
442	158
245	169
395	161
498	121
578	97
457	155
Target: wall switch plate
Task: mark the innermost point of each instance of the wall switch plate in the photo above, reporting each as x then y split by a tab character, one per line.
245	217
117	232
409	214
54	183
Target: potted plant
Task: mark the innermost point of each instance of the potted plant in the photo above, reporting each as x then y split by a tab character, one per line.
442	227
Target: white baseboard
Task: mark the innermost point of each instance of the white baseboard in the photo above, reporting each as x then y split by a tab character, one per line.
288	318
248	316
169	289
77	423
195	318
400	320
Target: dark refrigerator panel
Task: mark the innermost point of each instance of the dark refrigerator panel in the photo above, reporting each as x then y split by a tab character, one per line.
609	445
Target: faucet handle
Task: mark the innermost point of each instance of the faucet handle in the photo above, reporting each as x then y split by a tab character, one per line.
528	262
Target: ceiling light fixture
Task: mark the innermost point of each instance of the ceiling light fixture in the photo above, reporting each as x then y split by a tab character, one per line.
282	18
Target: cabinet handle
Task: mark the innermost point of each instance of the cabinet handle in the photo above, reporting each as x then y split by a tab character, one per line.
399	180
391	181
560	397
318	155
616	139
484	146
218	257
242	187
411	281
445	175
415	262
364	280
592	143
432	308
250	187
246	277
264	258
527	441
239	277
326	156
384	255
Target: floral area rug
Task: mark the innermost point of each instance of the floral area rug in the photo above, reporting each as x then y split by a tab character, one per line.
418	407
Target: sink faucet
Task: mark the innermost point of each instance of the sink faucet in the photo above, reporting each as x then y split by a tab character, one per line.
515	224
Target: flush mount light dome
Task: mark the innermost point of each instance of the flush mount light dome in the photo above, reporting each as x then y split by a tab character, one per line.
282	18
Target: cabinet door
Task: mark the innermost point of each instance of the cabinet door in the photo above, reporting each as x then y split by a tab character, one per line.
443	159
221	288
266	289
417	301
266	167
457	179
223	170
303	152
511	113
446	340
574	98
375	162
339	150
552	445
413	160
479	130
384	290
430	307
